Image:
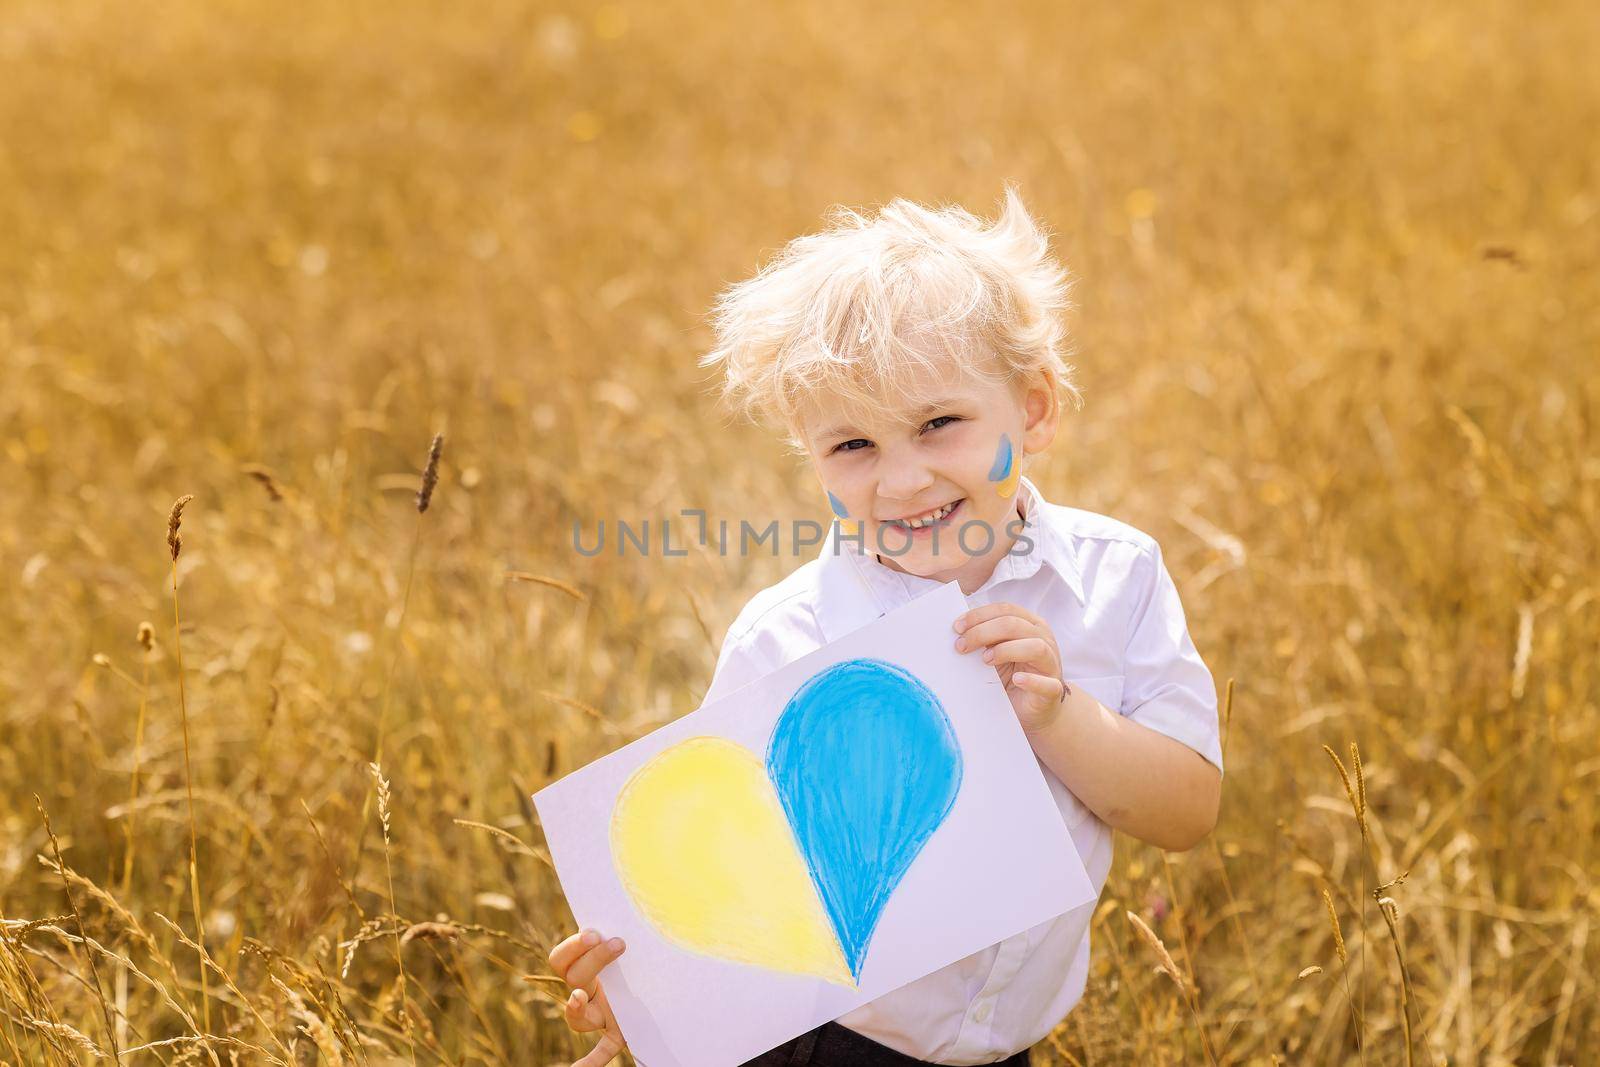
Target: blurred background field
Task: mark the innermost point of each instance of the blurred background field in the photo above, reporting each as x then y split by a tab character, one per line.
1337	328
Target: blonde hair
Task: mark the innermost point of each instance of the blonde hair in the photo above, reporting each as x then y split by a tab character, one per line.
854	309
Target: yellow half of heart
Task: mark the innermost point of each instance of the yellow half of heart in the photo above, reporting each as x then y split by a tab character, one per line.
701	843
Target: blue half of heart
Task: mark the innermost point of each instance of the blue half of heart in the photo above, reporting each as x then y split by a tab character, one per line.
867	766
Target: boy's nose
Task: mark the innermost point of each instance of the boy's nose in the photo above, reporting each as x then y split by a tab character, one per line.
902	481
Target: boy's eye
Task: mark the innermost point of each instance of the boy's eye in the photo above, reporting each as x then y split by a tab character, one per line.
855	444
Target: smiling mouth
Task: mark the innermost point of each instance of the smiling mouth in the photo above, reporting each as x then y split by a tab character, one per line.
937	517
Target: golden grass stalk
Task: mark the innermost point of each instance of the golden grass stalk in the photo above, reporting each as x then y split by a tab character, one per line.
1349	789
1569	989
1391	916
130	922
1338	932
323	1036
206	960
430	479
574	703
1164	961
349	890
1357	794
1227	719
175	543
344	1028
24	997
134	929
399	956
146	637
1133	989
1222	867
555	583
1361	785
126	964
77	917
1344	969
1186	986
515	843
1188	957
75	1036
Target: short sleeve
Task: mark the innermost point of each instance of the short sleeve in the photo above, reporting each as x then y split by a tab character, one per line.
737	666
1168	687
775	627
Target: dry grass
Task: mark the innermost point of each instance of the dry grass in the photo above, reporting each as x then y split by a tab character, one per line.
1337	334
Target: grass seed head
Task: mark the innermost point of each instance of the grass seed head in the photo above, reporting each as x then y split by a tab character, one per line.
383	797
268	482
174	518
1361	781
1338	934
1349	789
430	473
1165	963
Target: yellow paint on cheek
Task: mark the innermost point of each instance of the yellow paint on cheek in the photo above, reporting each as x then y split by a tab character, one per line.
1009	486
701	843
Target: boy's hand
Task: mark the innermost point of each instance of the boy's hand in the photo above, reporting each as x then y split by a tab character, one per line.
1022	648
578	961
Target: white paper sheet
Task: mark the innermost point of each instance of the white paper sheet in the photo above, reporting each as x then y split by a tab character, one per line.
999	862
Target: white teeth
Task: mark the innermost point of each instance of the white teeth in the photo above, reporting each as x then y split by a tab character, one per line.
931	517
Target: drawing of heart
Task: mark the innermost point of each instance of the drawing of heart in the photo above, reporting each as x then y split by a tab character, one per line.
789	865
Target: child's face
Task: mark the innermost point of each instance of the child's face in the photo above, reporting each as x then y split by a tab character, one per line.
964	454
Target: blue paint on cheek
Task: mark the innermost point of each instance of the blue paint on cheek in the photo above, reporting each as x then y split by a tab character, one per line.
1002	460
838	508
867	766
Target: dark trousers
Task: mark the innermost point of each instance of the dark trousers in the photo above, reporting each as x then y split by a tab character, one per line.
832	1045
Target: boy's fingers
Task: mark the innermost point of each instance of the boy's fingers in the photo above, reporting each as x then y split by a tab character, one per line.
585	1014
1043	699
563	955
587	967
1027	650
601	1054
580	1013
987	633
1051	688
986	612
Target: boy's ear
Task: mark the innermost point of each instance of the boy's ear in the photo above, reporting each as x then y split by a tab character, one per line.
1041	406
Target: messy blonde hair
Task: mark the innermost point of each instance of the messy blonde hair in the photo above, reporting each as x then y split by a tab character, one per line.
860	307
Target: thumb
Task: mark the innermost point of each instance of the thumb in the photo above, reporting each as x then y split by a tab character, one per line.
1038	685
1040	692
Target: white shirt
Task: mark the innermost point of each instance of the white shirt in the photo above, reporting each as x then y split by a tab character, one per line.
1103	588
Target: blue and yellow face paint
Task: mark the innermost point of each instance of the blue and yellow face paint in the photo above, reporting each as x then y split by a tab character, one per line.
1006	470
847	526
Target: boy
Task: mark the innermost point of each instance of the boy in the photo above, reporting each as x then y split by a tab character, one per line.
915	358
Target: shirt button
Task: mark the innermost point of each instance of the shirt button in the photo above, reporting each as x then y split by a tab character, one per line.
982	1013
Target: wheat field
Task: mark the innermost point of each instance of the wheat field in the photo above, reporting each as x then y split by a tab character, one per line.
1337	328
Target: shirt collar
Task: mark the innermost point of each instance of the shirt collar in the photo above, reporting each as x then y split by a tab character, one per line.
854	588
